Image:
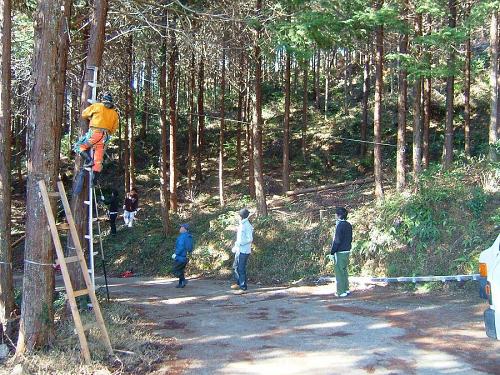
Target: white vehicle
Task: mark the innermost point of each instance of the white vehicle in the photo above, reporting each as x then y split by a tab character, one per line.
489	270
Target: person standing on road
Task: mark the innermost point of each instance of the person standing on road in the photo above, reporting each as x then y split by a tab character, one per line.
242	249
130	207
183	246
341	248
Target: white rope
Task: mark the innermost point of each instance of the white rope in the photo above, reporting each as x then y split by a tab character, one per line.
7	263
38	264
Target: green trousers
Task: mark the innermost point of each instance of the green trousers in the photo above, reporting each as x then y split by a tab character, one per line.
341	274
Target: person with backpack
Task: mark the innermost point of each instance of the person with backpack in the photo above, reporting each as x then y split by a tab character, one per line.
183	246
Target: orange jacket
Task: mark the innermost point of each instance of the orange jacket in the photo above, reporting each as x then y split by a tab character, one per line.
101	117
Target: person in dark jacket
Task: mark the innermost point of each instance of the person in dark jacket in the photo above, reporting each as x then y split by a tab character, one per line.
130	207
112	203
183	246
341	248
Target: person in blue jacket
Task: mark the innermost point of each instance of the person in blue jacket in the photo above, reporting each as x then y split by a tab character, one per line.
183	246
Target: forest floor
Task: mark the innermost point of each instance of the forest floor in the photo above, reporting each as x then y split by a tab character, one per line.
306	329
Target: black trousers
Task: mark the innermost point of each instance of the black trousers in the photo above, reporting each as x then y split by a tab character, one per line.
178	270
112	222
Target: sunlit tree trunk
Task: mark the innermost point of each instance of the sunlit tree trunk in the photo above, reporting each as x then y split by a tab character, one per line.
201	118
402	104
366	95
286	128
304	109
467	88
495	88
164	156
377	112
172	84
417	111
450	92
317	78
131	112
221	131
427	121
192	87
37	314
257	125
147	93
239	118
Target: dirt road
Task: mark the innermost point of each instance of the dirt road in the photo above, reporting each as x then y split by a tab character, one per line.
306	330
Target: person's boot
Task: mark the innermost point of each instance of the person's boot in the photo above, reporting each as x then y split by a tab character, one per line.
87	159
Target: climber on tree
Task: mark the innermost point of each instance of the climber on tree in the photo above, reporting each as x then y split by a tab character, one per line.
103	122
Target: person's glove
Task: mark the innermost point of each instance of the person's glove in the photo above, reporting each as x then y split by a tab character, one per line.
235	249
331	257
173	256
102	198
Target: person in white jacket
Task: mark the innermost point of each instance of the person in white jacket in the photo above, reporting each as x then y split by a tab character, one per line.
242	249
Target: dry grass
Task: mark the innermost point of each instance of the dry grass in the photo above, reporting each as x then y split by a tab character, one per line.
137	351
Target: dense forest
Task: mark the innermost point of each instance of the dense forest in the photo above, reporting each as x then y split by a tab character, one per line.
249	103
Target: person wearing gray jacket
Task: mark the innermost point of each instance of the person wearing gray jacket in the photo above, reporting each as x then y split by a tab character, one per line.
242	249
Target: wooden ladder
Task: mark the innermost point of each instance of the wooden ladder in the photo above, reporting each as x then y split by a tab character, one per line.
63	261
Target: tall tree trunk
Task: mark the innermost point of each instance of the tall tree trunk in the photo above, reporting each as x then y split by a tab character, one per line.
417	111
427	121
239	118
221	132
304	110
327	83
427	95
147	93
450	87
37	314
250	145
467	88
316	78
402	103
131	114
286	128
192	86
347	80
257	124
377	112
6	279
126	133
366	95
164	179
200	142
95	50
63	64
495	87
172	85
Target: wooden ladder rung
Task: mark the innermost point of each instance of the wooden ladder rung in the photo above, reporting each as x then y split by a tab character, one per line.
78	293
72	259
54	194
